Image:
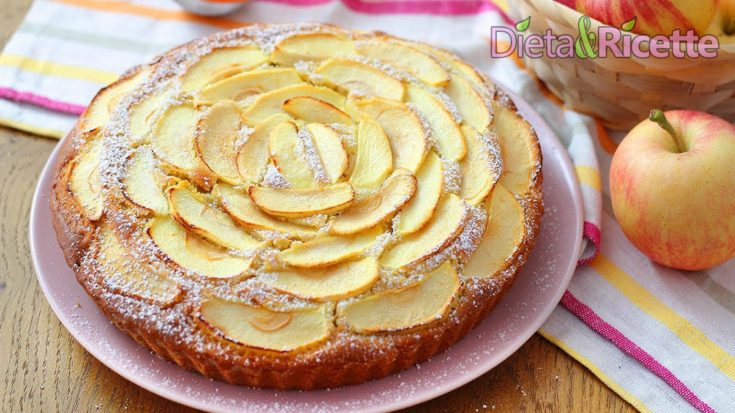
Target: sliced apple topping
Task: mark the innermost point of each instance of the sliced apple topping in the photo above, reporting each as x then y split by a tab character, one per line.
406	134
289	155
311	47
248	84
270	103
143	182
446	224
310	109
430	182
173	143
361	79
330	149
450	60
194	211
218	139
263	328
518	148
104	103
446	131
143	114
133	279
242	209
253	155
505	231
324	251
407	58
478	174
395	192
192	253
220	64
374	159
339	281
86	184
409	307
470	103
294	203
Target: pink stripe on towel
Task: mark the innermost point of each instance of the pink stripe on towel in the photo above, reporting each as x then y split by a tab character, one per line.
41	101
593	234
596	323
438	7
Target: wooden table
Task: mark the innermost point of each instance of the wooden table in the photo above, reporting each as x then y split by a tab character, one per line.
42	368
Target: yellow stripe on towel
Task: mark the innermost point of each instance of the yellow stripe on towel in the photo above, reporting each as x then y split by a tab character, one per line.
589	176
48	68
649	303
612	384
37	130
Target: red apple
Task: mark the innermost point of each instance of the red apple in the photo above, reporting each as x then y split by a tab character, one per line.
672	182
653	17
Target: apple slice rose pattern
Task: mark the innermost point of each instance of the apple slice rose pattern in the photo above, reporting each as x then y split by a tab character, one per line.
289	189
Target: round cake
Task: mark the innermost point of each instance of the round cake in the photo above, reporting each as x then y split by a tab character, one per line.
298	206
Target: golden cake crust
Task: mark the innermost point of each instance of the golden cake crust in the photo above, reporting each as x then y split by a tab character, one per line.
171	328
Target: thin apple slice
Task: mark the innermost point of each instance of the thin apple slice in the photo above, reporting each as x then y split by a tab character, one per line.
253	156
172	140
143	114
271	103
103	105
446	224
479	175
428	192
247	84
192	210
407	58
220	64
289	156
331	151
451	60
406	133
311	47
217	139
519	150
374	159
310	109
395	192
193	253
242	209
131	279
446	131
475	112
263	328
143	182
505	231
339	281
324	251
361	79
406	308
294	203
86	184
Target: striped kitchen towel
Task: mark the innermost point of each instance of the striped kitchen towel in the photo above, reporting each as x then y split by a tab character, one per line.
660	338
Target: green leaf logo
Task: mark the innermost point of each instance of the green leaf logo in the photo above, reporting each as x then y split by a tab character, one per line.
522	25
629	25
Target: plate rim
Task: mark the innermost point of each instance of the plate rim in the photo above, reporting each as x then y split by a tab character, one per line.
476	371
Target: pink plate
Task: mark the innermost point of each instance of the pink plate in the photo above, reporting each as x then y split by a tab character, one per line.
534	295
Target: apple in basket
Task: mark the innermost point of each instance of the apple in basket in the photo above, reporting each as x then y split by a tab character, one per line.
672	183
715	17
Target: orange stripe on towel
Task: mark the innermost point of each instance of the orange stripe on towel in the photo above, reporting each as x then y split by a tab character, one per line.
152	12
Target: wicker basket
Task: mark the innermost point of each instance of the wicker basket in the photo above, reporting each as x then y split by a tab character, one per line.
622	91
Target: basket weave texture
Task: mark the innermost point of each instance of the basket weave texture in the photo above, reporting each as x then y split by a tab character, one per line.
622	91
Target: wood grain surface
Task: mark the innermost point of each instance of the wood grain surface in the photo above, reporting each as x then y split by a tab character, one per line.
42	368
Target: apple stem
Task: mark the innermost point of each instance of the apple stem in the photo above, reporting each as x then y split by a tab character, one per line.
659	117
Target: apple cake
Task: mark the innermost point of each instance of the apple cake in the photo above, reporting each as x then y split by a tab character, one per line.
298	206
